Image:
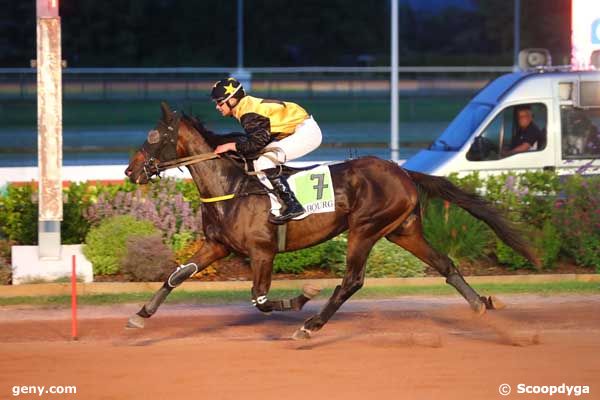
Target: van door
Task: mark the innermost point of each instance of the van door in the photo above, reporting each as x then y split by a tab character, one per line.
515	139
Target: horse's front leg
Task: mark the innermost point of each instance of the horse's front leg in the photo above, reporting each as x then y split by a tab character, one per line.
206	255
262	269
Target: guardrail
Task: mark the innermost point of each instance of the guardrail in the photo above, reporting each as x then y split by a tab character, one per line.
268	70
82	173
194	82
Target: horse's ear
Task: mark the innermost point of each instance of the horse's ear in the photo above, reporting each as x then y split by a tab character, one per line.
166	111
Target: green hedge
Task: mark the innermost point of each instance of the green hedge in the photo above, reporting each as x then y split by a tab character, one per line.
385	260
106	244
559	215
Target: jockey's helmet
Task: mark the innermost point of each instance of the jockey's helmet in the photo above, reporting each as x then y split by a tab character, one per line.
225	89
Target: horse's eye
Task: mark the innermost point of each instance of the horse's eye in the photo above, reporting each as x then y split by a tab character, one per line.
153	136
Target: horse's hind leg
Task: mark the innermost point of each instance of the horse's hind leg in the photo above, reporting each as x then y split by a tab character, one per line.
354	277
206	255
410	236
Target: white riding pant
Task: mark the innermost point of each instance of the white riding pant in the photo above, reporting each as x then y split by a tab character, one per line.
306	138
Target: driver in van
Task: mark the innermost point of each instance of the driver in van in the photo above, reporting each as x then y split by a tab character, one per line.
527	133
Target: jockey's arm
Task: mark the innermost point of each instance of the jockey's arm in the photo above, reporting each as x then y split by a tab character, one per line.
258	130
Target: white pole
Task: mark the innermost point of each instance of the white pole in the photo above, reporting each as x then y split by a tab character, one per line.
49	95
394	139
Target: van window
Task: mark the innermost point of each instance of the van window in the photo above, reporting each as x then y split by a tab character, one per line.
580	133
589	95
462	127
517	129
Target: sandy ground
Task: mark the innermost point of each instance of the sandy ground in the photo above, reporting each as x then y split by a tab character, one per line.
405	348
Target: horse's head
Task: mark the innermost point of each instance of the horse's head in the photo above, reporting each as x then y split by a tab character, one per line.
160	146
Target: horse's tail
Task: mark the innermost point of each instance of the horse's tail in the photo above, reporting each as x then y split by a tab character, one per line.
478	207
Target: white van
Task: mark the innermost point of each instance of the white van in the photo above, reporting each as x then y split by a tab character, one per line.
565	110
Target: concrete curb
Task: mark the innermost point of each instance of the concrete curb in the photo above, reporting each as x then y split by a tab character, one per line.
64	289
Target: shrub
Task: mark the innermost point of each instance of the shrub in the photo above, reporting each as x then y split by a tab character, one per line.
147	259
5	273
509	257
330	254
19	214
577	217
387	259
527	197
184	252
453	231
181	241
160	203
77	198
549	244
5	267
106	244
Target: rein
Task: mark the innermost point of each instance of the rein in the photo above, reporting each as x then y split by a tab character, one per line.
181	162
152	166
184	161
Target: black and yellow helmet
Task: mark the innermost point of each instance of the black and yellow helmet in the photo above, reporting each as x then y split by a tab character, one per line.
225	89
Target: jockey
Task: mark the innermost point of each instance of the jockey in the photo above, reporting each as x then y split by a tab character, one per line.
268	124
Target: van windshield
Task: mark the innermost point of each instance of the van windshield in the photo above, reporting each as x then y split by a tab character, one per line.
461	128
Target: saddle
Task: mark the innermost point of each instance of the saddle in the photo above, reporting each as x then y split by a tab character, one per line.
246	163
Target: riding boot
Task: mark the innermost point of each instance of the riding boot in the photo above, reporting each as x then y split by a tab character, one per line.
292	207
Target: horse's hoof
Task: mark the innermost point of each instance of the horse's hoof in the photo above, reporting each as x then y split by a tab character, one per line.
478	308
301	334
310	291
496	303
135	322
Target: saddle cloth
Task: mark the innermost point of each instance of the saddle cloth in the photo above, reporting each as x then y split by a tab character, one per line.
313	189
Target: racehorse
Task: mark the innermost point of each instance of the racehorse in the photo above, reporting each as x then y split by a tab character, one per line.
374	198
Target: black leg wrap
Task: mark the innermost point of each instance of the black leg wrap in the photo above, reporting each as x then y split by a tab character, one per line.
456	280
299	302
315	323
263	304
159	297
144	313
294	304
181	274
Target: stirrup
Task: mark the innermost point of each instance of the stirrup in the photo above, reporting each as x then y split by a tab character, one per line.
285	217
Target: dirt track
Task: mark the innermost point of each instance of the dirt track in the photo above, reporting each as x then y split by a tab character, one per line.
406	348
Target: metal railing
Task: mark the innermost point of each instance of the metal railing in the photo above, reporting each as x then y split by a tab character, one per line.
194	83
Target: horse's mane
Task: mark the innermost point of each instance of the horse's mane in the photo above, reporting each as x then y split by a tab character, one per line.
213	139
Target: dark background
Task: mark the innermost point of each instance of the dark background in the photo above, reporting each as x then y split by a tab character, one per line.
160	33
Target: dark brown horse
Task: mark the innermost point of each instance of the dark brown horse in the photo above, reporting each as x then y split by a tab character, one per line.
373	199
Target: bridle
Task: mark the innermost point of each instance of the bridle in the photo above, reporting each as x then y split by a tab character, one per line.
160	149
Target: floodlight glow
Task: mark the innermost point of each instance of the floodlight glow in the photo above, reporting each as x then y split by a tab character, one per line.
585	35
